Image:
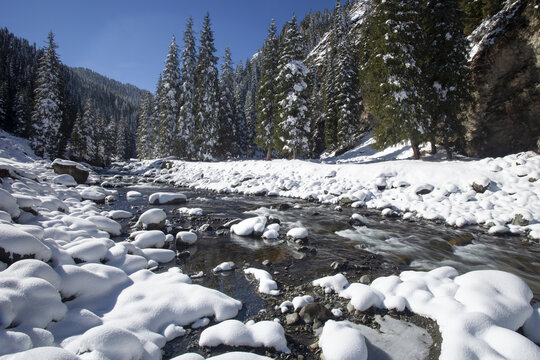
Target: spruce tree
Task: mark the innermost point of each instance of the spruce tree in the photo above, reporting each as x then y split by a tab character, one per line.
155	123
82	143
227	131
186	121
293	124
48	104
329	100
206	94
445	72
169	103
77	145
250	110
265	97
122	135
392	78
240	118
317	144
144	127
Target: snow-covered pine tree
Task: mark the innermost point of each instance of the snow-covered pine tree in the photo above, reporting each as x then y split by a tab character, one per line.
22	110
76	146
329	100
169	103
144	127
3	105
445	72
317	144
392	77
293	125
240	118
155	123
250	110
227	143
265	97
122	134
99	156
186	120
206	94
48	104
110	138
82	143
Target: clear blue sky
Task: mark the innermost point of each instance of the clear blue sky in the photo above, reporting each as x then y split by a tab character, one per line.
128	40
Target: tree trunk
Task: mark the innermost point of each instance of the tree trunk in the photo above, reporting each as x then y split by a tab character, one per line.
269	153
416	150
433	150
294	154
449	155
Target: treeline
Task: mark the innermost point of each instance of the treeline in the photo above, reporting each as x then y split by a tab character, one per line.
66	91
404	74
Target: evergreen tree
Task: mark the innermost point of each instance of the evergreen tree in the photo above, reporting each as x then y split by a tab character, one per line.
329	100
144	127
3	105
82	143
109	138
22	110
392	78
445	72
100	157
155	123
293	125
77	144
186	120
227	131
240	118
265	98
169	103
317	144
206	94
478	10
122	135
250	110
48	104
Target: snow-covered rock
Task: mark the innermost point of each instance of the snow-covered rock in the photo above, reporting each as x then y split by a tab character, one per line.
9	204
251	226
341	341
298	233
190	212
164	198
17	244
106	224
65	179
335	283
267	334
224	266
149	239
133	195
266	284
186	237
153	218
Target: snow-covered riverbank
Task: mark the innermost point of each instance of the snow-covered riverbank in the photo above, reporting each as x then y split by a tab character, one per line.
501	194
67	290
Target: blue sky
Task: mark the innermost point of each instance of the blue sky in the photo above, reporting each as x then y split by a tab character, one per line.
128	40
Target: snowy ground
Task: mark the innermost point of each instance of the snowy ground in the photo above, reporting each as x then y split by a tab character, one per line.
67	290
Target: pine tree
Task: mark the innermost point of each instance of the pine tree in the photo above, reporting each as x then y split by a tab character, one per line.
293	125
317	144
22	112
82	143
48	104
250	110
227	131
122	134
3	105
155	123
392	78
445	72
109	137
329	100
240	118
206	94
169	103
186	120
265	98
100	157
144	127
77	145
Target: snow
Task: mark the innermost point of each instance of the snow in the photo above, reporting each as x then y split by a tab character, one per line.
475	311
224	266
106	224
64	179
247	227
133	195
190	212
340	341
266	284
335	283
9	204
235	333
233	355
149	239
119	214
152	217
17	242
165	198
298	233
187	237
300	301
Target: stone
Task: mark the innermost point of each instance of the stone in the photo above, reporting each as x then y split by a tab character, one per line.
365	279
79	172
267	262
520	220
479	188
345	201
339	265
292	319
283	207
315	312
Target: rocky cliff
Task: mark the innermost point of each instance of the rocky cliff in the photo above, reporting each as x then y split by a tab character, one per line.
505	62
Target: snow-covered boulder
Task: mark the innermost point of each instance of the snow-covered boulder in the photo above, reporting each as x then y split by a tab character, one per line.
119	214
94	193
106	224
65	179
133	195
186	237
335	283
298	233
16	244
149	239
167	198
77	171
339	340
224	266
152	219
190	212
9	204
89	249
248	227
267	334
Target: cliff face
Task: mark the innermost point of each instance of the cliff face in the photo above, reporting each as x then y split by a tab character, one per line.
505	114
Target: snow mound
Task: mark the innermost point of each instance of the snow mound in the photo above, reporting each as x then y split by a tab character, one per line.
250	226
164	198
340	341
190	212
133	195
149	239
298	233
187	237
335	283
152	217
266	284
9	204
106	224
235	333
17	243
